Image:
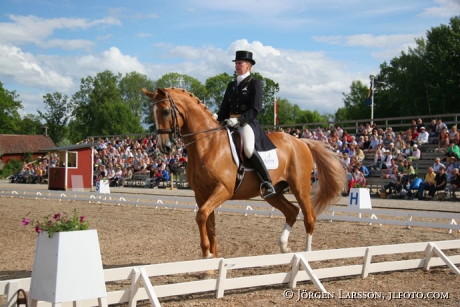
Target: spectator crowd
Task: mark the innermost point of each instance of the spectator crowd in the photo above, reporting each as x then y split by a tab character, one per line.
116	159
119	159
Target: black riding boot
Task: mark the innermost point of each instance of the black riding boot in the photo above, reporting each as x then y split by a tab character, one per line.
260	168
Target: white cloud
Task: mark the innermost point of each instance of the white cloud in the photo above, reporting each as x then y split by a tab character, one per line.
28	71
144	34
67	44
388	46
369	40
145	16
38	75
111	59
445	8
258	8
32	29
104	37
307	78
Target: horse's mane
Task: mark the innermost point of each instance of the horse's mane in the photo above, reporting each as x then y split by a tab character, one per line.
198	100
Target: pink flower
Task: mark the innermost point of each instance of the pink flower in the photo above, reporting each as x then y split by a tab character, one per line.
57	216
82	219
38	229
25	221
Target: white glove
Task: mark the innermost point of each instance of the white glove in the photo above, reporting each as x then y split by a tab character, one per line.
215	116
232	122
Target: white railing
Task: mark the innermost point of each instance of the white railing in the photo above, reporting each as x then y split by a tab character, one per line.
407	218
295	268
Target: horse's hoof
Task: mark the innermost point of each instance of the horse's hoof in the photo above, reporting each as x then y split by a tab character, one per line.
207	275
285	250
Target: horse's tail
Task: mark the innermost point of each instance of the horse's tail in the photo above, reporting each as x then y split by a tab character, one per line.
332	175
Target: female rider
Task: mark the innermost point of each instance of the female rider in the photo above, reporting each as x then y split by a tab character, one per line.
240	107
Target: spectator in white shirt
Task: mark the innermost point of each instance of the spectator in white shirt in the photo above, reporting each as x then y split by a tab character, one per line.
423	136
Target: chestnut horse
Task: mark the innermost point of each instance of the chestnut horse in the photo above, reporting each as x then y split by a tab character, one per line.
211	171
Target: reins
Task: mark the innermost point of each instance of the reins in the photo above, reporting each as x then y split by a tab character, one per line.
175	131
213	130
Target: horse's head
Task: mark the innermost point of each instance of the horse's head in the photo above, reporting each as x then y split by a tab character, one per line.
168	119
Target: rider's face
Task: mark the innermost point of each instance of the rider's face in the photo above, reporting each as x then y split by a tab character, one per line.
242	67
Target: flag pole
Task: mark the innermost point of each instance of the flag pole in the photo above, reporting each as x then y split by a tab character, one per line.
372	100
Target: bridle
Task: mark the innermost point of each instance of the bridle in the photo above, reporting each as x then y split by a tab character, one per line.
175	131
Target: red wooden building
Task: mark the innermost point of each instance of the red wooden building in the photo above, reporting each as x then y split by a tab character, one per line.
74	170
17	145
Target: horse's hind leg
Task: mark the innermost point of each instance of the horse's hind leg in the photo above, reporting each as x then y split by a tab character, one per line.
309	216
290	212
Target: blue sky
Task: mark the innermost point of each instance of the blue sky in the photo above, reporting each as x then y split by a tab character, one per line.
313	49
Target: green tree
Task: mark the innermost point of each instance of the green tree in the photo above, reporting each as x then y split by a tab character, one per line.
443	62
31	124
9	115
402	85
131	86
354	102
423	80
185	82
287	113
57	116
12	166
100	110
307	116
270	88
215	87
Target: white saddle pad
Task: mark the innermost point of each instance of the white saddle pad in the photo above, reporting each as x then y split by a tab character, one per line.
270	157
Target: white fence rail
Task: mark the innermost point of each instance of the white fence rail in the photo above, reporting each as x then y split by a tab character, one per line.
296	269
407	218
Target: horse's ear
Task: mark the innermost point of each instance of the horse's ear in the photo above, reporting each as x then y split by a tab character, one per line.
161	91
148	94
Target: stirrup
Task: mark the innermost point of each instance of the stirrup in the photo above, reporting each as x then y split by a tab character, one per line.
269	189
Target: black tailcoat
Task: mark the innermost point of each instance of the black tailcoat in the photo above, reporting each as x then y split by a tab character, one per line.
246	99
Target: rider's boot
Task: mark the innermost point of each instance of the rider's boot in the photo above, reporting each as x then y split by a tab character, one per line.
260	168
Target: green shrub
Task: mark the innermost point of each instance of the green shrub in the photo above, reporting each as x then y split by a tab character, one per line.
11	167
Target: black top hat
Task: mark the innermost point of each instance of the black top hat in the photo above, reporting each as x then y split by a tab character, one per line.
244	55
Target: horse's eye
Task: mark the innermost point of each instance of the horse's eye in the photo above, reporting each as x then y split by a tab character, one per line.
166	112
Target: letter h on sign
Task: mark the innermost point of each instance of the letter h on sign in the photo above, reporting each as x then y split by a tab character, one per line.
354	198
359	199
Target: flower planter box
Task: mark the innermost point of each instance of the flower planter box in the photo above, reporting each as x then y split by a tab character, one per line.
67	267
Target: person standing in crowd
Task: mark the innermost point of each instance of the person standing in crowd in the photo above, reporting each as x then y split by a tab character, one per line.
240	107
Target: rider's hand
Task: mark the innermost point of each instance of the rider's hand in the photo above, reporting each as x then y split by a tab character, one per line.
232	122
215	116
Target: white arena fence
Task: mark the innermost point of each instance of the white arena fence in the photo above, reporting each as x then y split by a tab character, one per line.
297	269
406	218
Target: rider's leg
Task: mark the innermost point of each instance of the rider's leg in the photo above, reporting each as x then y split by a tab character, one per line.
256	160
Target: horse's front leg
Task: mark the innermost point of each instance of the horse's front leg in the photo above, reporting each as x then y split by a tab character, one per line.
206	221
211	229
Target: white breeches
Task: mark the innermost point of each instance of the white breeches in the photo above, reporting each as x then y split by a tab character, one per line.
248	139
